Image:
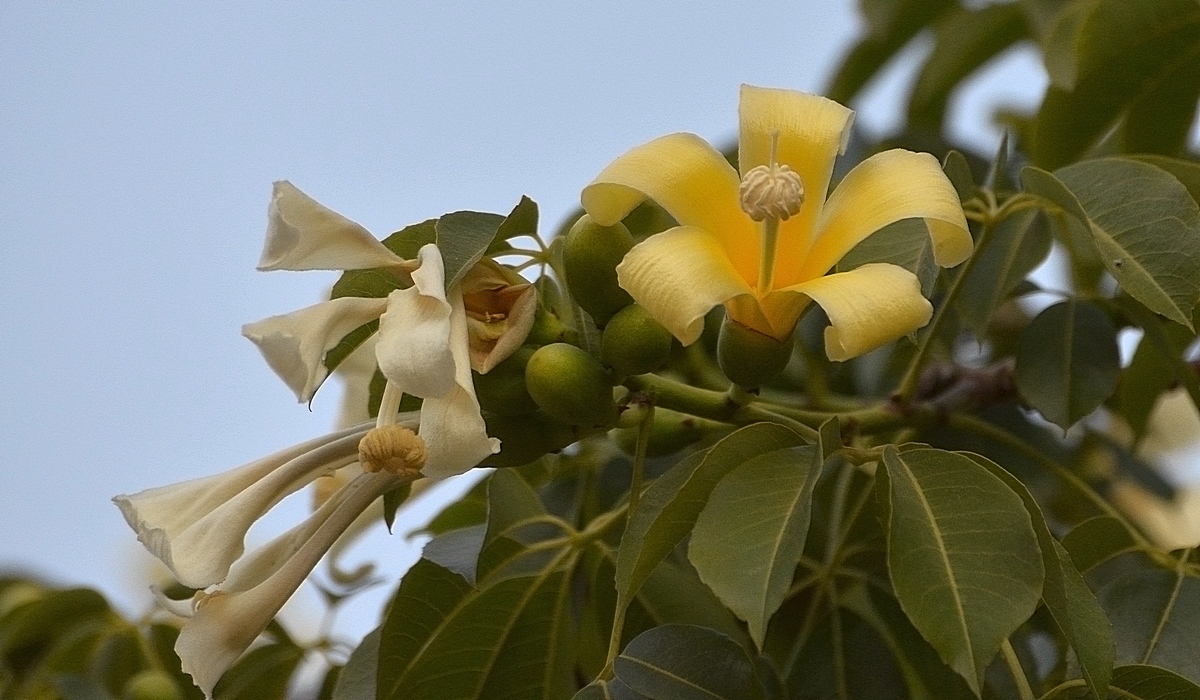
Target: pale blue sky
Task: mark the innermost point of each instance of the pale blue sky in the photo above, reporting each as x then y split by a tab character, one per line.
138	143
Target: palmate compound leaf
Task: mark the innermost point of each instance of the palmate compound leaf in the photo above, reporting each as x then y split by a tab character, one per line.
685	662
1068	362
443	639
750	536
668	509
1143	222
962	554
1071	603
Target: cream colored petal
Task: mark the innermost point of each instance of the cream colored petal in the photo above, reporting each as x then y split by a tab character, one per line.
198	527
883	189
868	307
413	350
678	276
294	344
228	620
488	351
452	427
691	180
812	132
304	235
490	288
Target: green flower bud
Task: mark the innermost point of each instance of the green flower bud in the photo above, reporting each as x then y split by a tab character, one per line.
502	391
151	685
670	432
571	385
526	438
590	256
634	343
749	358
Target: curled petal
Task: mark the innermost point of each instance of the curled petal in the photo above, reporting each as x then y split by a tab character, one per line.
294	344
689	178
198	527
812	131
230	618
452	427
413	350
678	276
304	235
883	189
868	307
501	306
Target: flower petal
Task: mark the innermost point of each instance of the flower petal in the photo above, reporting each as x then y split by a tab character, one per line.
413	350
883	189
678	276
229	619
452	427
812	133
501	306
197	528
294	344
868	307
691	180
304	235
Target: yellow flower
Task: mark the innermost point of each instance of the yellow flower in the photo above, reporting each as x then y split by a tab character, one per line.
761	243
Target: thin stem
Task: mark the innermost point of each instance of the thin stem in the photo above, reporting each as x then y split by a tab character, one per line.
389	405
1018	673
759	413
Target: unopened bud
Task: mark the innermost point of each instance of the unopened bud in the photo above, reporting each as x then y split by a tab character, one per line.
393	449
771	191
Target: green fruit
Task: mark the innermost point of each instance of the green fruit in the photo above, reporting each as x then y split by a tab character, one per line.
590	256
571	386
526	438
670	432
150	685
749	358
502	391
634	343
547	328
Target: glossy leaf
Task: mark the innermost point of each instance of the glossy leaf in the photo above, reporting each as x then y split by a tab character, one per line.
1096	540
1069	600
669	507
1068	362
750	536
682	662
357	679
962	554
958	171
1126	54
521	221
1143	222
463	237
1017	245
264	672
905	243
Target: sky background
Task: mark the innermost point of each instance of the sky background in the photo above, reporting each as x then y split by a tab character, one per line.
138	144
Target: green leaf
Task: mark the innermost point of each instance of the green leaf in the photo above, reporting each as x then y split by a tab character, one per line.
612	689
1068	362
1186	171
964	39
905	243
669	507
521	221
392	500
457	550
1144	223
749	562
1014	248
1097	540
443	639
962	554
1151	683
1166	341
890	25
958	171
40	621
1155	612
262	674
463	237
1132	60
1069	600
357	679
682	662
511	501
1149	374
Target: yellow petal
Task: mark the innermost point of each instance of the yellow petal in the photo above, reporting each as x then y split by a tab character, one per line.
678	276
691	180
868	307
883	189
812	132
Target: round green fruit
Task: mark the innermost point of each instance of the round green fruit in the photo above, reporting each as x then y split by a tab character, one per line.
571	386
502	391
590	256
749	358
634	343
670	432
